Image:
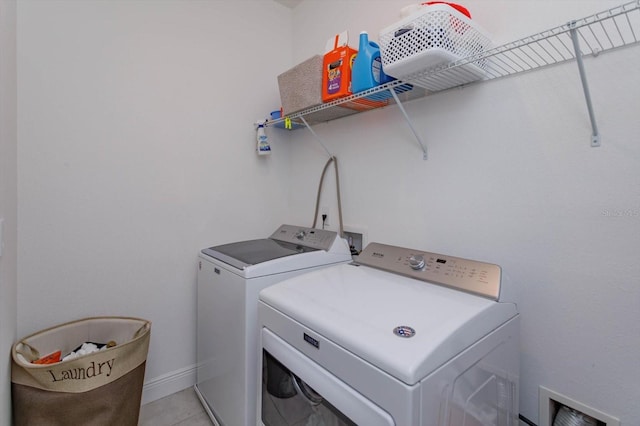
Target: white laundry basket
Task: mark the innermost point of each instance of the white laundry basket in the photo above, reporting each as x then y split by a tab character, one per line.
430	37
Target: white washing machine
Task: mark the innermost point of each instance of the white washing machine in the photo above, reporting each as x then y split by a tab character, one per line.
400	337
230	277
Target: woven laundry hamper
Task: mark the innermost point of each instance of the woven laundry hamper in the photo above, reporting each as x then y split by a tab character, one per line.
98	389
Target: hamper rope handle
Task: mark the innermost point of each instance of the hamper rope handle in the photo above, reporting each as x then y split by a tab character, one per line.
33	352
141	330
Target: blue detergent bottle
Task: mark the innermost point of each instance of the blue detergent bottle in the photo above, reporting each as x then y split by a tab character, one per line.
367	67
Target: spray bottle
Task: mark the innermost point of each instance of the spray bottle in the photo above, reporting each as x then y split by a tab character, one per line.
262	147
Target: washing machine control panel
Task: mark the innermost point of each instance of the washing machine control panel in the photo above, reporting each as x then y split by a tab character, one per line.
320	239
475	277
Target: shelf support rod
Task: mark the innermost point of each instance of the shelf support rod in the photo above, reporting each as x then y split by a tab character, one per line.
595	136
316	136
408	120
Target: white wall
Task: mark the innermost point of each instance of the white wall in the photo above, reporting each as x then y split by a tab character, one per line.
136	150
510	179
8	201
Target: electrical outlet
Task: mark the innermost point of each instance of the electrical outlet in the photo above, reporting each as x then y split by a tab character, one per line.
356	237
324	217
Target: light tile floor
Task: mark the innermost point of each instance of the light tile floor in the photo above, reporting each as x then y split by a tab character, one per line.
180	409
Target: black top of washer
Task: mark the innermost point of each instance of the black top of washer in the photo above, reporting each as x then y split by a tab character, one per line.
287	240
246	253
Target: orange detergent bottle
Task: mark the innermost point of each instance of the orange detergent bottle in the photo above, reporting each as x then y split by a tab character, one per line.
336	68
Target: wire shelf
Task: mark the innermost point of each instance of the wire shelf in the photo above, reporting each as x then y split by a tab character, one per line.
601	32
604	31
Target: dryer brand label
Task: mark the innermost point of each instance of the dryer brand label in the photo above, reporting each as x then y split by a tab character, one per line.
404	331
310	340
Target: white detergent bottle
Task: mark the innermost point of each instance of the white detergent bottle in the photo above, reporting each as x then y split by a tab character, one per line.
262	147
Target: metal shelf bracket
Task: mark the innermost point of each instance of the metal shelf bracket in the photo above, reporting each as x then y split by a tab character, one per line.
315	135
595	136
408	120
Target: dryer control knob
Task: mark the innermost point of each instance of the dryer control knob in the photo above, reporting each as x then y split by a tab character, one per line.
300	235
416	262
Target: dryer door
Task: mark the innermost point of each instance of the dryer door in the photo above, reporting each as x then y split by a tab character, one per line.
297	390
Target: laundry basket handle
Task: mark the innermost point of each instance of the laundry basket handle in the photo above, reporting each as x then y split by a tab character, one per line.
33	352
142	330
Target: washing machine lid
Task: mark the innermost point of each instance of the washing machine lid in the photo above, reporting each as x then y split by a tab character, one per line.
243	254
406	327
289	248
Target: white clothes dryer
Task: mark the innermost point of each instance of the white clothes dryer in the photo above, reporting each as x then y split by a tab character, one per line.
399	337
230	277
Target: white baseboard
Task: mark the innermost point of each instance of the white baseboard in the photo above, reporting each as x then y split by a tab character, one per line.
168	384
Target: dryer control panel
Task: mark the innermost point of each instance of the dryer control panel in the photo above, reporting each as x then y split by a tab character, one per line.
482	279
320	239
